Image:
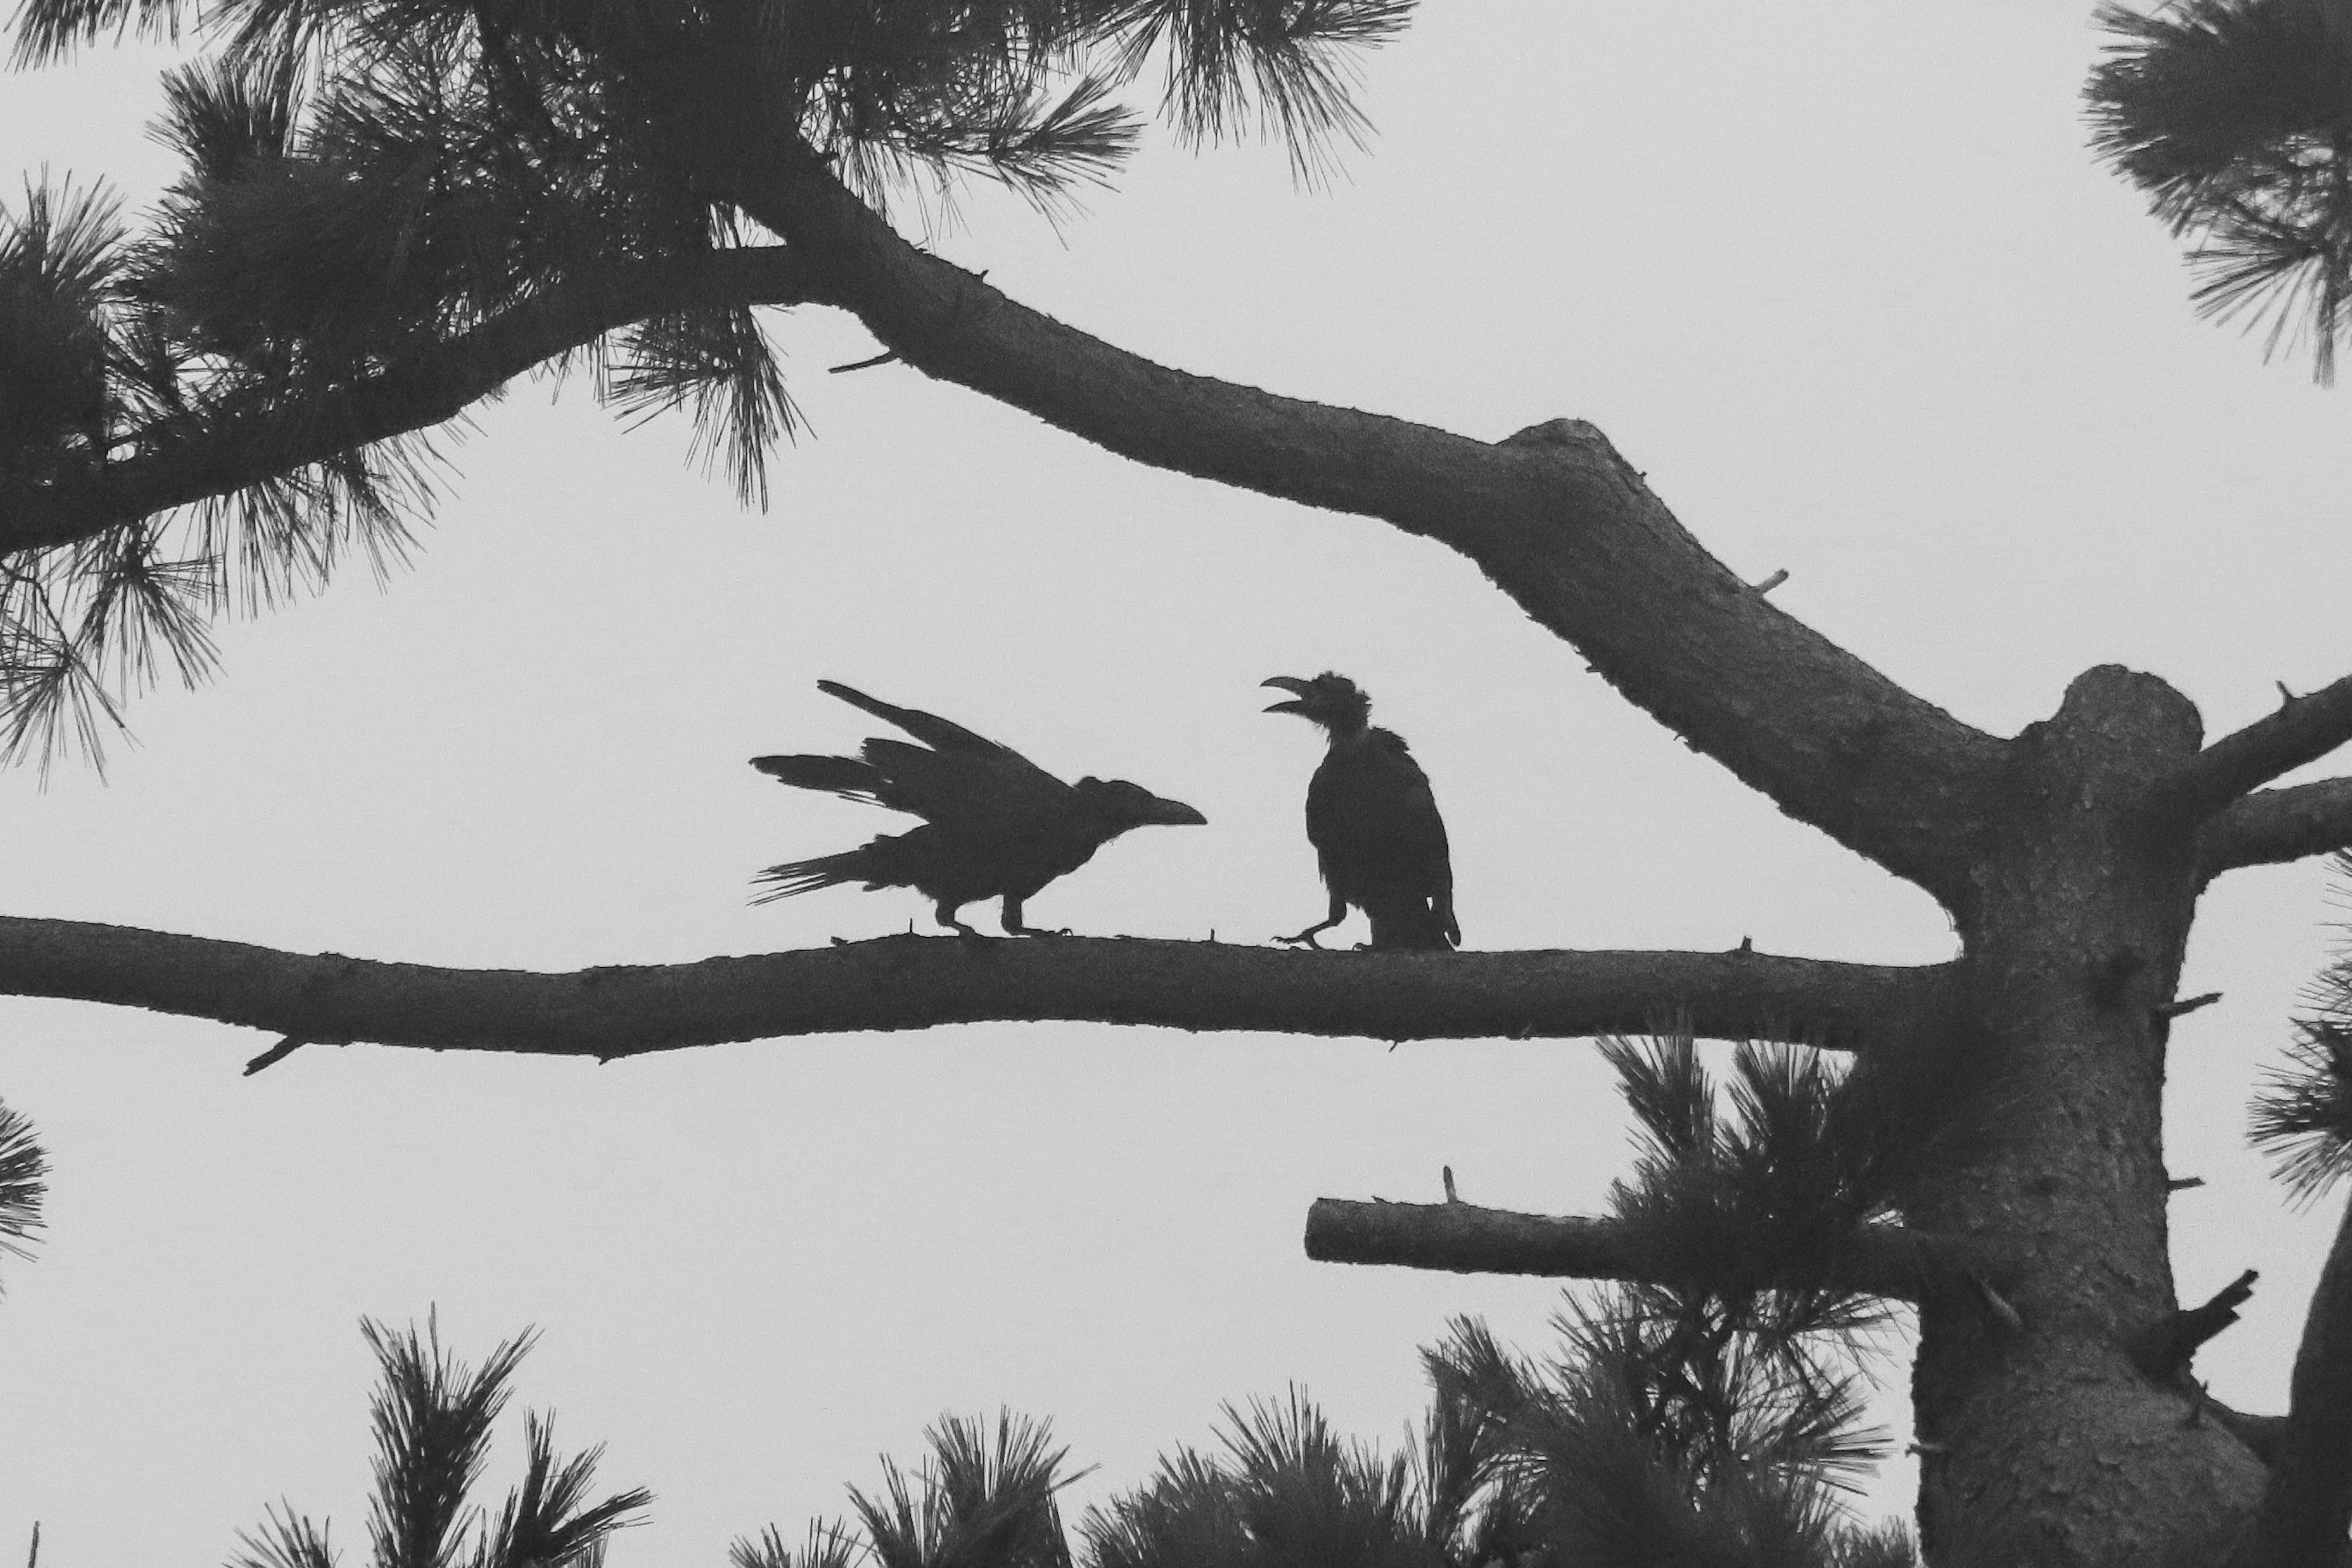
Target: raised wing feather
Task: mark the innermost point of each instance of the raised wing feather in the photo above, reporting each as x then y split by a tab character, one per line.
928	728
960	780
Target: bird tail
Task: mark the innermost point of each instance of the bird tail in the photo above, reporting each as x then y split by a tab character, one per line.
845	776
1411	924
808	875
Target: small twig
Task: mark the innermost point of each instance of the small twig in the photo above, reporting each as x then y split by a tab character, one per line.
2182	1183
2009	1317
883	358
2174	1009
277	1053
33	1559
2165	1349
1773	581
2285	696
1446	1172
2201	1324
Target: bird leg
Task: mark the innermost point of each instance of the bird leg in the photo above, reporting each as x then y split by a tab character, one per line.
1011	922
1338	912
946	915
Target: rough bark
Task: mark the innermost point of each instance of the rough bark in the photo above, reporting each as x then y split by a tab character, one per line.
2049	1444
1464	1238
2302	729
2273	826
911	983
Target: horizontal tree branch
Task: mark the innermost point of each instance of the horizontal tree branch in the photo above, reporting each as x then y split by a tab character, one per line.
177	466
2302	729
1462	1238
912	983
2274	826
1553	516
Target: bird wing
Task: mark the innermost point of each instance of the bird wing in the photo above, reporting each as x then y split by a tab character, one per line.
962	781
1374	823
845	776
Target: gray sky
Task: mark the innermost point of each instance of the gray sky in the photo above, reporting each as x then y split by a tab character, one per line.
1840	277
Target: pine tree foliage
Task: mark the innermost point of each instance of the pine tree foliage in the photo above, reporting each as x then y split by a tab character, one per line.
2303	1113
975	1501
1516	1464
24	1182
1776	1187
432	1417
2235	118
367	180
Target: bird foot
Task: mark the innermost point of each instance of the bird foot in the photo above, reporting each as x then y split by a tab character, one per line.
1303	939
1038	930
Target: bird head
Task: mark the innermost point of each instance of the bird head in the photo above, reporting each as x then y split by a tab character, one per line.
1121	806
1331	700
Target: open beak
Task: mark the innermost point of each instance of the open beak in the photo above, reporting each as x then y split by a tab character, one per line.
1165	813
1291	684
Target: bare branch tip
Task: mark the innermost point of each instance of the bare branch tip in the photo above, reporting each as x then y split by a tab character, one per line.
1773	581
275	1054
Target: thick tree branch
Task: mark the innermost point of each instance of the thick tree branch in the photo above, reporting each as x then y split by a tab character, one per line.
2308	1506
1553	516
2302	729
1462	1238
218	456
912	983
2274	826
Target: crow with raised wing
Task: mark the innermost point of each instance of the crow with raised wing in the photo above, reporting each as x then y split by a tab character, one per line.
995	824
1373	822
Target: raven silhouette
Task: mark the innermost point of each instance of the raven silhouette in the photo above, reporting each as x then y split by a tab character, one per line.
995	824
1373	821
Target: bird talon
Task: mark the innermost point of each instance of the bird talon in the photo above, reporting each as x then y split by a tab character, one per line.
1303	939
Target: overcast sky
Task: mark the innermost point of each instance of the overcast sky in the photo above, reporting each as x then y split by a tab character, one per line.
1840	277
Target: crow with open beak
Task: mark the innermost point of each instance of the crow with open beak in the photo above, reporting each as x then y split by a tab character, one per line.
995	824
1373	822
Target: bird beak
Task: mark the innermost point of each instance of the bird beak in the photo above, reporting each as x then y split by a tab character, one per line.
1163	813
1291	684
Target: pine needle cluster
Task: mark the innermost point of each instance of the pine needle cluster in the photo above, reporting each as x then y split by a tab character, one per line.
2302	1114
2235	118
368	181
432	1417
24	1182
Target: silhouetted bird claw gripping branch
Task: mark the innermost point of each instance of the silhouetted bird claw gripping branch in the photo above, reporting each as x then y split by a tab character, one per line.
1373	821
995	824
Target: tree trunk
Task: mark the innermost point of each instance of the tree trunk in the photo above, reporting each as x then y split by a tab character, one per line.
2042	1439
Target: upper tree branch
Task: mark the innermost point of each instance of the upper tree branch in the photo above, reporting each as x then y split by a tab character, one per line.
909	983
2302	729
1553	516
2273	825
1462	1238
180	464
2308	1505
